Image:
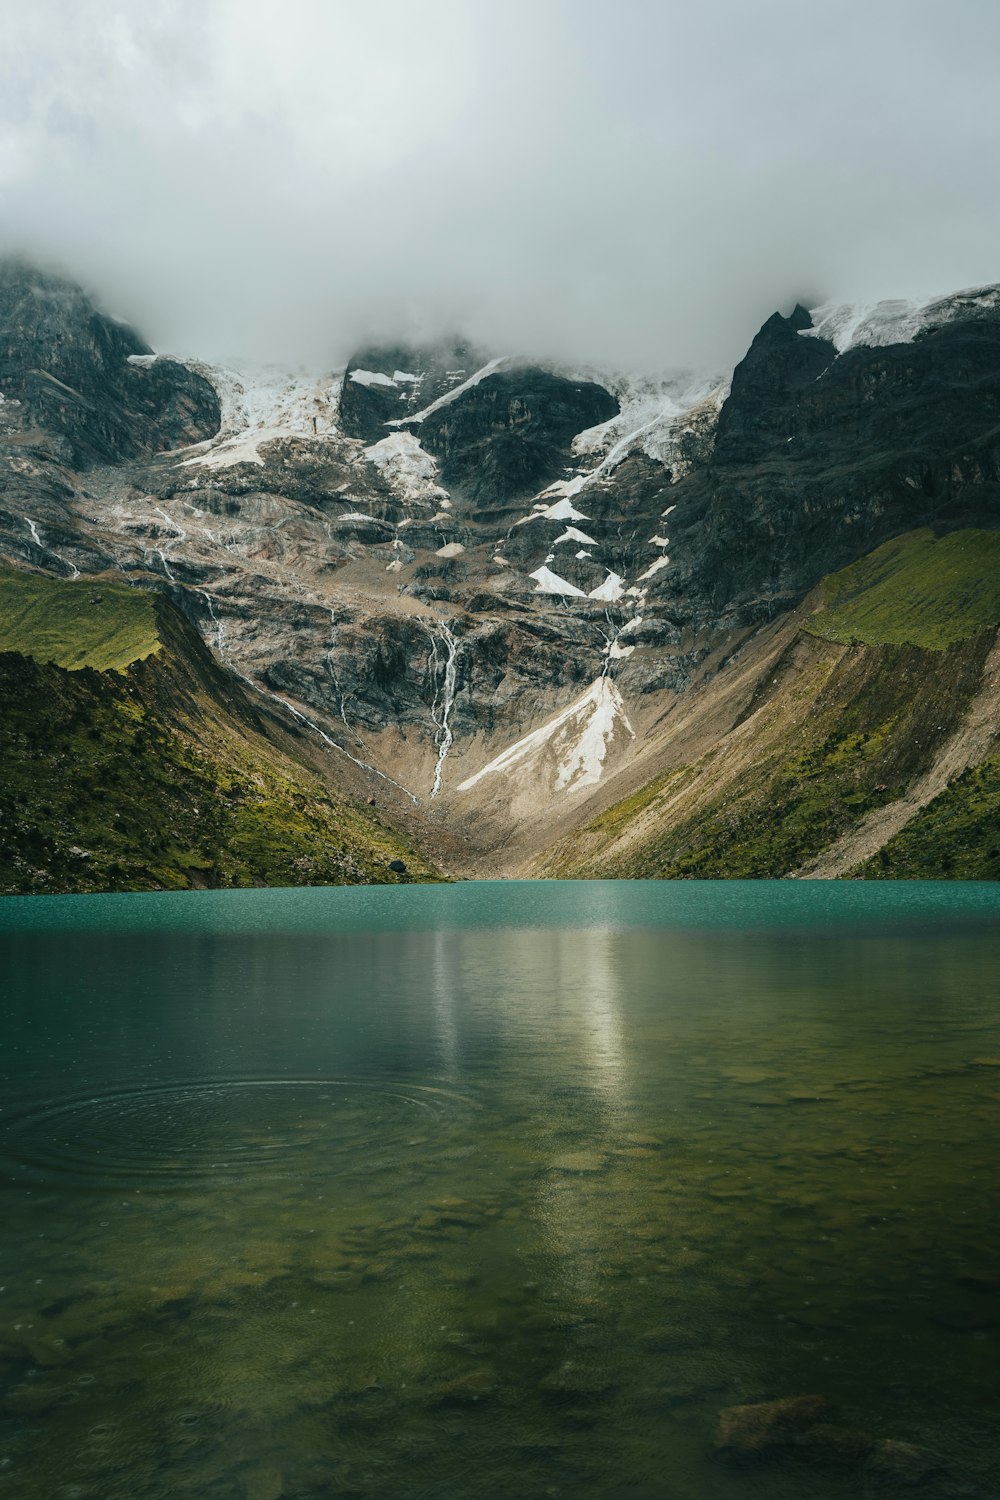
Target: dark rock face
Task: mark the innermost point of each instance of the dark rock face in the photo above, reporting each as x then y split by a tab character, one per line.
769	387
411	379
511	433
66	365
819	458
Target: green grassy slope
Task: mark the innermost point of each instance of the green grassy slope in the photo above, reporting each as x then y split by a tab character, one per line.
160	774
916	590
955	837
85	623
854	713
838	738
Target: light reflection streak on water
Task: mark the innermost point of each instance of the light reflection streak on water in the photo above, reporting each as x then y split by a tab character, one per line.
445	1003
569	1208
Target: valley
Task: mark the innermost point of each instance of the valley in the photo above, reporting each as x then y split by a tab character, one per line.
549	621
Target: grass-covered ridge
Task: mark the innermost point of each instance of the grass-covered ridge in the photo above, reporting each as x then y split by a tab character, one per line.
839	734
917	590
955	837
161	774
87	622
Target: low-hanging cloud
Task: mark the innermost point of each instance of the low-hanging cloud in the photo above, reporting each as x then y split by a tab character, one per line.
635	184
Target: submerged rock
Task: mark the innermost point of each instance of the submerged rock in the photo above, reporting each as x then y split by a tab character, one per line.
579	1161
829	1445
796	1425
903	1463
766	1425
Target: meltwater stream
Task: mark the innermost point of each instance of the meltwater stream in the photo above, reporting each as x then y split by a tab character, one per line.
499	1191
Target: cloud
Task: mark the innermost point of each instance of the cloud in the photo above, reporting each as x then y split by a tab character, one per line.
638	185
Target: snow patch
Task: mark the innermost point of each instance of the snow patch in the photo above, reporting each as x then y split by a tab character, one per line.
259	405
654	567
550	583
451	549
572	535
567	488
562	510
407	466
580	737
371	377
656	412
874	325
610	590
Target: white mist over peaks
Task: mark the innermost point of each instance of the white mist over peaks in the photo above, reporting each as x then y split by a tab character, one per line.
637	185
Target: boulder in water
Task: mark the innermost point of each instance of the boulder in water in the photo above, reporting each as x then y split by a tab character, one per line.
765	1425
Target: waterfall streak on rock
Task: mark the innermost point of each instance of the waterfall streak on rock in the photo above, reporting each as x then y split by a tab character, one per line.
444	697
181	533
341	701
215	621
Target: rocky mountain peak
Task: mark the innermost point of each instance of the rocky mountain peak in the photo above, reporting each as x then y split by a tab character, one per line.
65	370
388	383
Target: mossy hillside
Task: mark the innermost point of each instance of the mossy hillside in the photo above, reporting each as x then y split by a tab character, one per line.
161	773
955	837
917	590
814	767
618	817
87	622
102	792
584	853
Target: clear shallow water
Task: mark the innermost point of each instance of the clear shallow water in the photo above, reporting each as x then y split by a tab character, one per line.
495	1190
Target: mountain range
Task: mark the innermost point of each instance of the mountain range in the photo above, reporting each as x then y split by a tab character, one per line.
448	612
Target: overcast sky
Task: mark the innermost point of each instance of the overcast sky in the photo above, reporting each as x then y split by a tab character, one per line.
637	182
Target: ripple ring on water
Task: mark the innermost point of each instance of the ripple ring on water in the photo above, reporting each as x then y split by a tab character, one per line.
180	1133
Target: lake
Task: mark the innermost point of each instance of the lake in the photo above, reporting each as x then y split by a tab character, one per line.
500	1190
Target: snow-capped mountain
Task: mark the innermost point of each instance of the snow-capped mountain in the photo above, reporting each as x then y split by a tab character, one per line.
481	581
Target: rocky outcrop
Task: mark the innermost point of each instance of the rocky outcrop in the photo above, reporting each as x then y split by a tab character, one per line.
388	383
820	456
510	434
66	369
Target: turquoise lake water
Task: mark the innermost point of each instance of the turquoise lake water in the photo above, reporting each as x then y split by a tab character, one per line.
499	1190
